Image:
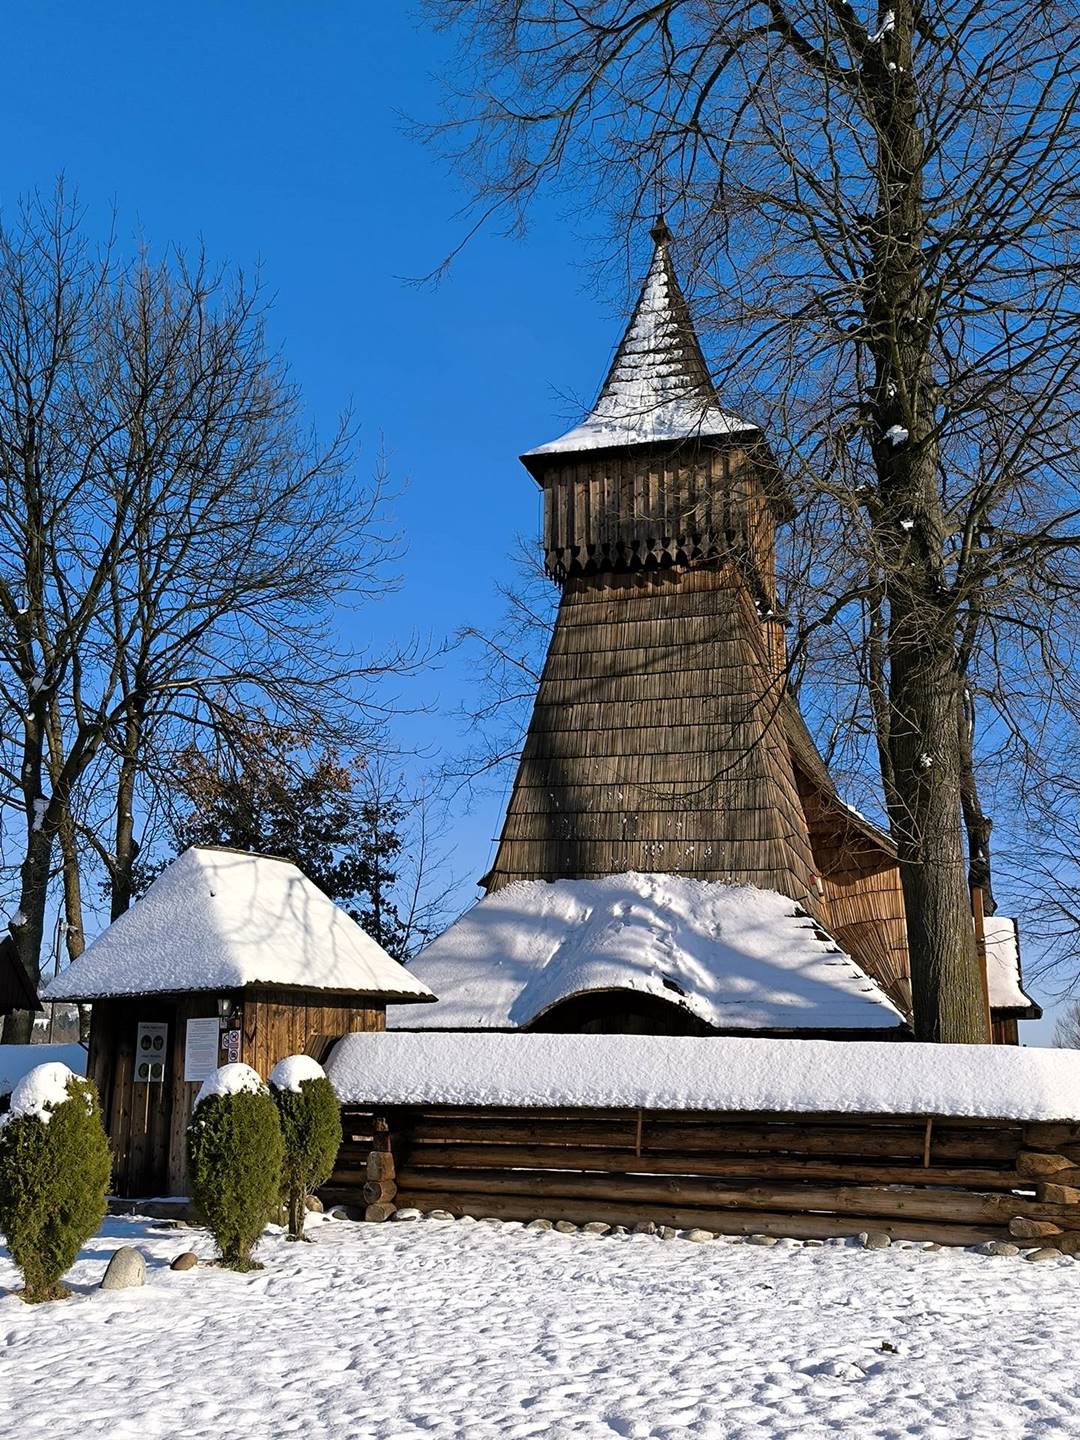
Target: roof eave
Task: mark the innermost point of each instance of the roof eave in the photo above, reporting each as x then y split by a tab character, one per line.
1031	1011
388	997
541	458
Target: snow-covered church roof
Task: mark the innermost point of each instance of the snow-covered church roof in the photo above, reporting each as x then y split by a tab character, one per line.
736	957
658	387
223	919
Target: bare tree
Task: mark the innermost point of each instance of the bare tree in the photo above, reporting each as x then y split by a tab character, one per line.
882	217
1067	1029
175	541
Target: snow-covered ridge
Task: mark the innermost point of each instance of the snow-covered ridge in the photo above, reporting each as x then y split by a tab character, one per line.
659	1072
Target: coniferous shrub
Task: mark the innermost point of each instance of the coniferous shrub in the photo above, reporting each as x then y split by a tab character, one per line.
311	1126
234	1161
54	1175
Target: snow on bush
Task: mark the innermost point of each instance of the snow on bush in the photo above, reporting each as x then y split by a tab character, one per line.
41	1091
54	1175
290	1073
235	1154
232	1079
311	1126
18	1060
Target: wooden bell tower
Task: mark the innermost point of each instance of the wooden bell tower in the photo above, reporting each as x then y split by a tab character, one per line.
656	742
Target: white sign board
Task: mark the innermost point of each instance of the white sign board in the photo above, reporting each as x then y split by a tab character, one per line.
151	1048
201	1048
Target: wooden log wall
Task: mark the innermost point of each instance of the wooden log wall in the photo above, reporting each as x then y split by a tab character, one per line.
954	1181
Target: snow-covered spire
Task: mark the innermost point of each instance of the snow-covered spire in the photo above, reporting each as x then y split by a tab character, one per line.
658	387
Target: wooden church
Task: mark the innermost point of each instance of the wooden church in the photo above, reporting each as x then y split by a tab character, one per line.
665	743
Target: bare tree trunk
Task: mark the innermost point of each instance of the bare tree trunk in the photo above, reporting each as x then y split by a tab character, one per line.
126	848
977	823
28	924
74	935
946	992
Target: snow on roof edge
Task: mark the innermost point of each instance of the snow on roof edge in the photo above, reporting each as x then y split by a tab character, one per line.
706	1073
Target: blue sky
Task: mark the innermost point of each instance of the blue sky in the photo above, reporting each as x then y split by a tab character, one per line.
275	133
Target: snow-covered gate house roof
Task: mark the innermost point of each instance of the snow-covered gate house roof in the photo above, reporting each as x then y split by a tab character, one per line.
223	920
736	957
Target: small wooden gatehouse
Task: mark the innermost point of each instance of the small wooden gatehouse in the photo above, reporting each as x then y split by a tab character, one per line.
664	742
228	957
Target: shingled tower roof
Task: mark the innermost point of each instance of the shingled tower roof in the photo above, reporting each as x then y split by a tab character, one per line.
658	387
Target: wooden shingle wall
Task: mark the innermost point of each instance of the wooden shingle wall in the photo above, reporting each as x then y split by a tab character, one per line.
656	742
864	901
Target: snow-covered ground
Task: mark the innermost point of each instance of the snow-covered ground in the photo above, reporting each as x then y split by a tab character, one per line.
476	1331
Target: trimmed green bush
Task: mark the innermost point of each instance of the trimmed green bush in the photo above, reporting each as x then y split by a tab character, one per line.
54	1177
311	1125
234	1161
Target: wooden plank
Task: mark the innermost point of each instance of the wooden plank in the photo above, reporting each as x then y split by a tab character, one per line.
1051	1135
861	1142
962	1206
729	1222
539	1157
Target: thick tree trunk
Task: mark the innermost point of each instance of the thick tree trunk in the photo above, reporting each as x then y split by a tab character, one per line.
946	988
923	741
28	925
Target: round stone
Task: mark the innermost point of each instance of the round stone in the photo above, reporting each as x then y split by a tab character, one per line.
314	1204
187	1261
644	1227
126	1269
761	1239
439	1215
875	1240
595	1227
566	1227
699	1237
1000	1248
1047	1252
540	1224
407	1212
